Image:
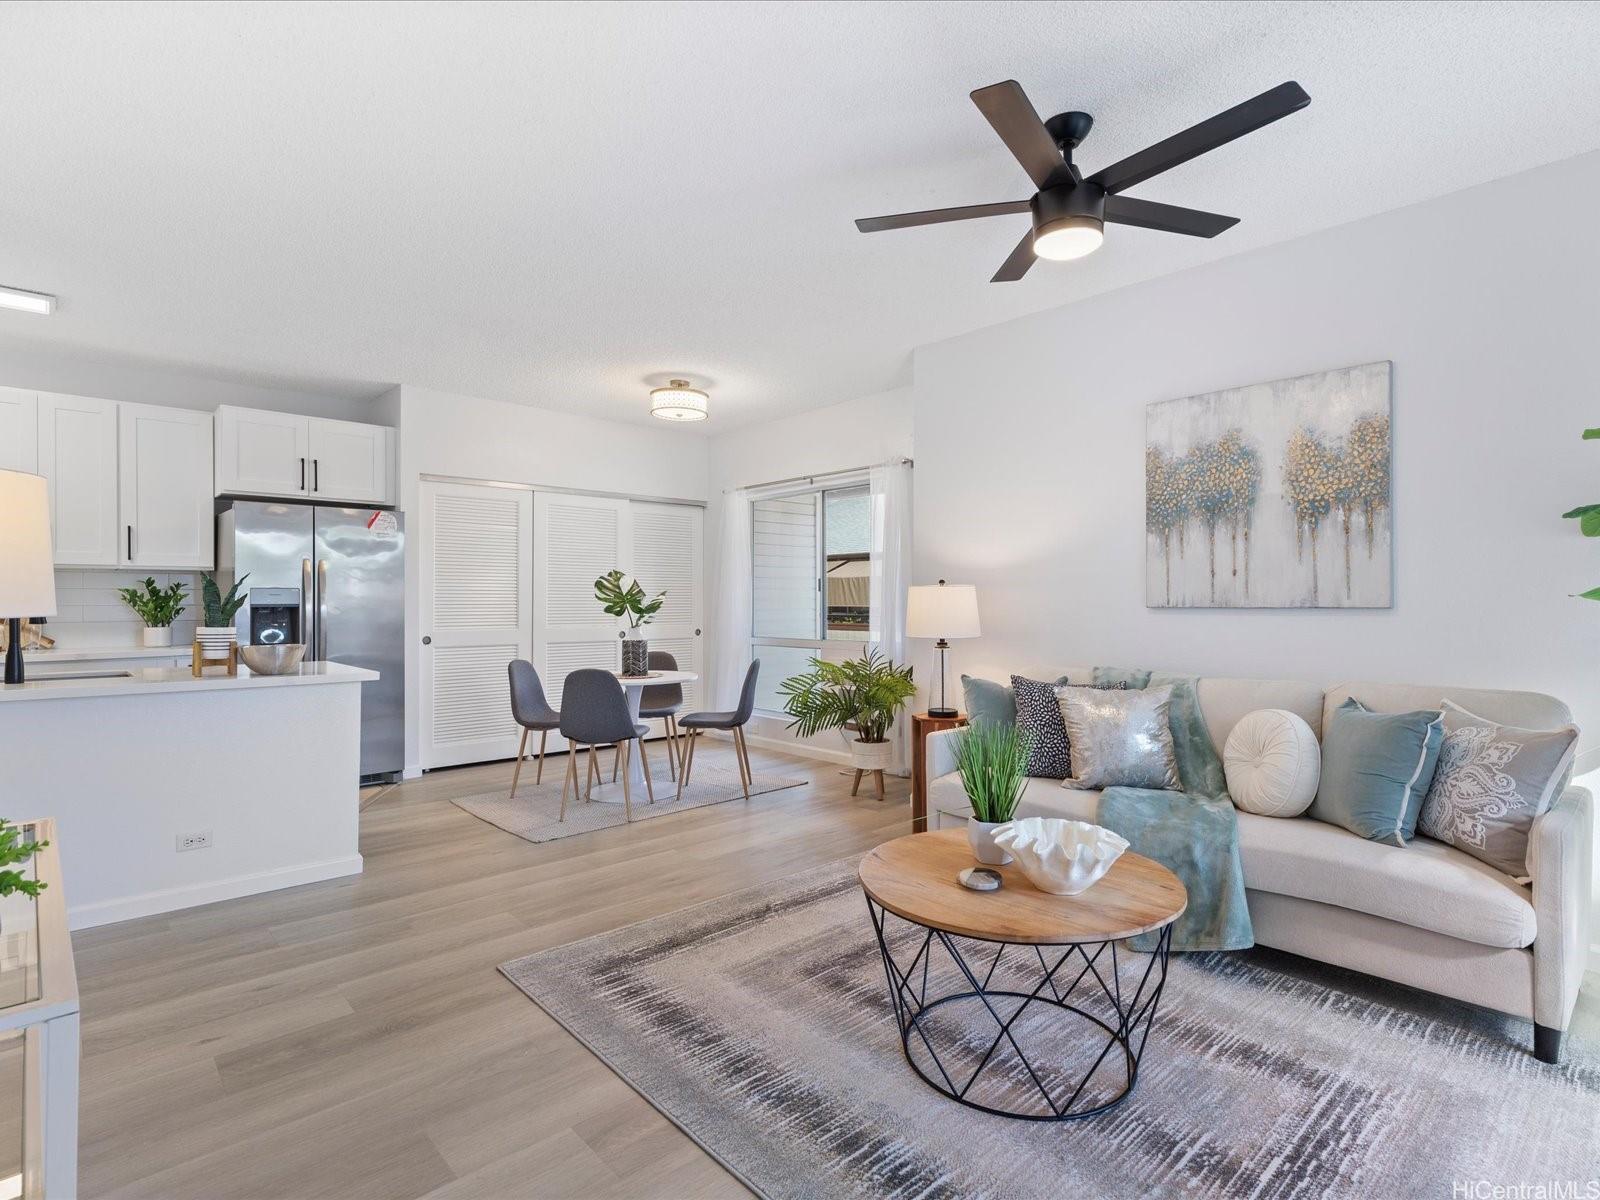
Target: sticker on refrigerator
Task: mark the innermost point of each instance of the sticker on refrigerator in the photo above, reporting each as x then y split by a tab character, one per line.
383	524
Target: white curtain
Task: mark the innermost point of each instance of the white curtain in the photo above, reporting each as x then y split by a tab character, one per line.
890	487
730	620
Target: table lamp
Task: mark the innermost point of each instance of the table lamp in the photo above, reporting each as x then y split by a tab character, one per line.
942	610
27	568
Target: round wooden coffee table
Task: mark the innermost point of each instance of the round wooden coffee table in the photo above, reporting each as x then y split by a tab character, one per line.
968	1019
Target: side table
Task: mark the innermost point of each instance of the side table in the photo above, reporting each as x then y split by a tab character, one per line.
921	726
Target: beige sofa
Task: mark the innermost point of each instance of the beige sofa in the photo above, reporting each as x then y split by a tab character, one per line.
1425	915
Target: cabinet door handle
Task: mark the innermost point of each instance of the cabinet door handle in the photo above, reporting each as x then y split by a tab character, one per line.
316	474
130	543
302	473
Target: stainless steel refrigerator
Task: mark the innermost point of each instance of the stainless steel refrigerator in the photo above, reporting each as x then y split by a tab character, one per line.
333	578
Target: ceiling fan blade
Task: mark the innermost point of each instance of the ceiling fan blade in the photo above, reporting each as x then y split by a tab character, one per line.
1017	262
1217	131
937	216
1008	109
1169	218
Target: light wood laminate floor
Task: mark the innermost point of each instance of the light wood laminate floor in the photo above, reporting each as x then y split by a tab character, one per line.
353	1038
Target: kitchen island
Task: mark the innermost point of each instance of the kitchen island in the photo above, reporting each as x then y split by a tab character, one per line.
171	791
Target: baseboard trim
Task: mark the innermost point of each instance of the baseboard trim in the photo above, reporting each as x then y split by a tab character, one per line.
803	749
148	904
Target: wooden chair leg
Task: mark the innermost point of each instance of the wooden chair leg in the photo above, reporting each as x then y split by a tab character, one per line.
570	776
594	773
878	779
744	750
855	785
688	763
744	769
672	760
644	761
539	776
616	757
627	788
522	748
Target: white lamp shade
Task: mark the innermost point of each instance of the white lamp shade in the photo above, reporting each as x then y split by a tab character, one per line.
27	567
942	610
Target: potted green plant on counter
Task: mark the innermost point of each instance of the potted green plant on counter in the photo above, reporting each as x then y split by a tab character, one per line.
630	602
17	890
217	634
993	761
860	696
157	607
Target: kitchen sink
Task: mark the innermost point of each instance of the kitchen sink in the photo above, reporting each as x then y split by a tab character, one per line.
54	675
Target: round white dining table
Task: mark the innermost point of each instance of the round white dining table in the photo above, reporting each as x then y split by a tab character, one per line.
633	687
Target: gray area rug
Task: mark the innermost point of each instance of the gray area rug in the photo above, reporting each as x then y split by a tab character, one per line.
760	1024
533	814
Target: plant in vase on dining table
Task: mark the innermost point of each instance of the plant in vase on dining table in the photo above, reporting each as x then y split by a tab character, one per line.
993	761
629	602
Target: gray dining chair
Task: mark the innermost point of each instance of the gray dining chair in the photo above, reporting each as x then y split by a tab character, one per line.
532	711
732	722
661	702
594	712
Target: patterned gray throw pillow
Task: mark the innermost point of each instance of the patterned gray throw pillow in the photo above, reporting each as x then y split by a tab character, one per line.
1492	781
1120	738
1039	717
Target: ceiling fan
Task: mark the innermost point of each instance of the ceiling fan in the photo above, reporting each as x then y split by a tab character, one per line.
1070	209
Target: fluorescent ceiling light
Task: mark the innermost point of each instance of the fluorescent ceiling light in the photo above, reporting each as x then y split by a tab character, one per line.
29	302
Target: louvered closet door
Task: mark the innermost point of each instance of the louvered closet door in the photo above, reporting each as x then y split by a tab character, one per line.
476	607
576	539
667	543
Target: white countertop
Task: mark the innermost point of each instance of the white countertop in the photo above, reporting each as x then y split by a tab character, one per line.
144	681
33	658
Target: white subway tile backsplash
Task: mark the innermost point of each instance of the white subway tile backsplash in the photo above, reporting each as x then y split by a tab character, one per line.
91	615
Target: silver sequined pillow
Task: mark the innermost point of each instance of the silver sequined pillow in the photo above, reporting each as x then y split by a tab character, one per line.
1492	781
1119	738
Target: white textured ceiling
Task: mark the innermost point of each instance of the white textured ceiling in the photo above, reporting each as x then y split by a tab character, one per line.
559	204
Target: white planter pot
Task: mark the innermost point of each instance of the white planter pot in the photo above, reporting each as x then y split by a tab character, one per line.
157	635
215	639
980	836
871	756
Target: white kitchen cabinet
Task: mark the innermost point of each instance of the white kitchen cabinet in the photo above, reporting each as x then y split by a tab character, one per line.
165	487
77	455
19	418
351	462
262	453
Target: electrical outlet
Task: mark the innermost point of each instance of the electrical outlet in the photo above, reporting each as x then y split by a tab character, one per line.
195	841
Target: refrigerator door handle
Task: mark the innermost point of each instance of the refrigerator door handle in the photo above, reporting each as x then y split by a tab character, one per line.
305	605
322	608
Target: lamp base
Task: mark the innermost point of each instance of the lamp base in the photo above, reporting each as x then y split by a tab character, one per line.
14	650
944	712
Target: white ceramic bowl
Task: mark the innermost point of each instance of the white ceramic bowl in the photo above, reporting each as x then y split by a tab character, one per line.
1058	856
281	659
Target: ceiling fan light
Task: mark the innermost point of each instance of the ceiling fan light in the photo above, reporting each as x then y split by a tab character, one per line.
1069	238
679	402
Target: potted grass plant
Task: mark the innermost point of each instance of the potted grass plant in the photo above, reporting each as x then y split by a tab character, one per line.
630	602
218	633
993	761
18	890
860	696
157	607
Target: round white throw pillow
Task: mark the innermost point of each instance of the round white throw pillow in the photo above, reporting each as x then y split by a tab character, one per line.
1273	763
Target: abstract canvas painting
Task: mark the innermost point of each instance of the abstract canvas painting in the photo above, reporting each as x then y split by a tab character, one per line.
1275	495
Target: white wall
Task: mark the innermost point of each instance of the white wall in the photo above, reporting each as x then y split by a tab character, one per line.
857	433
446	434
81	375
1030	443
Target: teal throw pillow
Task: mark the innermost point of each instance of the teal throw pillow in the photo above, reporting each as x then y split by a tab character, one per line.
988	701
1376	768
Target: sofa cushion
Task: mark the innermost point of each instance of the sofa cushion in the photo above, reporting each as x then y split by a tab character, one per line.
1427	884
1273	763
1376	767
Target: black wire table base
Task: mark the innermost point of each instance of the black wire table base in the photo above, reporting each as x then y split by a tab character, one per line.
1093	967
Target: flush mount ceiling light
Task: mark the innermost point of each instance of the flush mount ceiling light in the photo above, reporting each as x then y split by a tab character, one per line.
678	402
28	302
1070	209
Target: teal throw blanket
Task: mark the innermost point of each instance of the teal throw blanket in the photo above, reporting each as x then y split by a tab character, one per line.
1193	833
